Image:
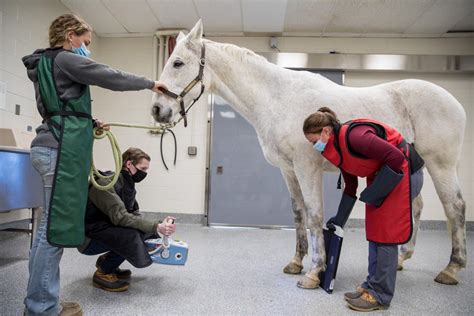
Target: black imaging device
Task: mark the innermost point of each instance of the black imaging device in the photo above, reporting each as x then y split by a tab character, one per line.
333	237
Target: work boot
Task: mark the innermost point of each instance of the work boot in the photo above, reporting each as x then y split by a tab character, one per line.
70	309
365	303
121	273
353	295
109	282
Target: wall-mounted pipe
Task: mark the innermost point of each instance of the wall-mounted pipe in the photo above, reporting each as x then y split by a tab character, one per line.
155	58
160	65
165	47
160	49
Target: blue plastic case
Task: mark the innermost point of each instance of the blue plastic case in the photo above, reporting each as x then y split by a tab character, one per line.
167	251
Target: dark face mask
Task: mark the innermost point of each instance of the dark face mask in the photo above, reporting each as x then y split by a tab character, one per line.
139	175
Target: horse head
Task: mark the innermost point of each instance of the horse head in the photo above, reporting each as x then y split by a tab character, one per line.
182	75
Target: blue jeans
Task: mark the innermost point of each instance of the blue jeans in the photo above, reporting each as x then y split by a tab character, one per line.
42	297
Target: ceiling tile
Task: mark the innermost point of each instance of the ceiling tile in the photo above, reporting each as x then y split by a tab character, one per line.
263	15
349	17
134	15
467	23
220	15
394	16
442	16
96	14
366	18
308	16
174	14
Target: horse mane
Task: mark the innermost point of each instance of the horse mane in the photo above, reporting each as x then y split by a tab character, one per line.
240	53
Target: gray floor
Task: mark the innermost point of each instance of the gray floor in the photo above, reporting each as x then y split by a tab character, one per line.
238	271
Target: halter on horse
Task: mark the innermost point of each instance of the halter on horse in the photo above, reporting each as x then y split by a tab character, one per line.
179	98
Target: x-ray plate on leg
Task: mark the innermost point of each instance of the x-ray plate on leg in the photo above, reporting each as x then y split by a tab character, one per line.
333	243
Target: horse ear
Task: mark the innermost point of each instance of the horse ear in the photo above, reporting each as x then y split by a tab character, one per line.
196	32
180	37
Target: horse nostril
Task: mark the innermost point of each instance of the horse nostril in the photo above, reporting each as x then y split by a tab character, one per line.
155	111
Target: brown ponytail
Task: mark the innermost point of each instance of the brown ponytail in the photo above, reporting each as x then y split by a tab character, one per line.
317	121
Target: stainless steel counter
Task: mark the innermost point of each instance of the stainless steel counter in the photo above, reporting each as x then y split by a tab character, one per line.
20	186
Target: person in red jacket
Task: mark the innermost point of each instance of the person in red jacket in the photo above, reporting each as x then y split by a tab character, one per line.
371	149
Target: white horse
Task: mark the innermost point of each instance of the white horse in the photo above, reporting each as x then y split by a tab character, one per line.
276	101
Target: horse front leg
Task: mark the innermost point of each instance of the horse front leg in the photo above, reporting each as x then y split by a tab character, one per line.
310	178
299	215
318	261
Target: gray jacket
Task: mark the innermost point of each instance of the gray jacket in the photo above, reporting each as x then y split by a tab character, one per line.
72	74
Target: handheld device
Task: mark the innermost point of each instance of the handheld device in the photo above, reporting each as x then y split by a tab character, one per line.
167	251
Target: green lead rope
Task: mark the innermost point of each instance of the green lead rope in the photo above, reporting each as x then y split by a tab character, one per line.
100	133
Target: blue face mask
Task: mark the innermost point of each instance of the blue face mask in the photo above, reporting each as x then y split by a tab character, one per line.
83	51
319	146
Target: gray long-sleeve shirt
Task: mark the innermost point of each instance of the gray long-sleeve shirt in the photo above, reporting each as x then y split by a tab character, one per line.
73	73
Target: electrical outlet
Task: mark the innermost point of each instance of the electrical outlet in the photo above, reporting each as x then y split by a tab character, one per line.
192	150
273	42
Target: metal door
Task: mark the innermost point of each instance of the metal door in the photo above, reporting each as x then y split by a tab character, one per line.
244	189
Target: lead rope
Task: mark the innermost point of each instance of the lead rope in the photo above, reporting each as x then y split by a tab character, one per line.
101	133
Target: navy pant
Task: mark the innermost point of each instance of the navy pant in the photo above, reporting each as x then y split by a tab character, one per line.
383	259
112	260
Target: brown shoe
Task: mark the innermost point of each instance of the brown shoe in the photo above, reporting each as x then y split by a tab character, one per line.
365	303
109	282
353	295
70	309
121	273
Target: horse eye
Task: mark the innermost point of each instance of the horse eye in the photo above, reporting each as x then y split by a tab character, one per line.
178	64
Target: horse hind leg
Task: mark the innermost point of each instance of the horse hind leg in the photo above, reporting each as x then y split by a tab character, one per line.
299	214
449	192
406	250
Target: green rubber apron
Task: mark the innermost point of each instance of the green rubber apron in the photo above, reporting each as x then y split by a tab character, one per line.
70	122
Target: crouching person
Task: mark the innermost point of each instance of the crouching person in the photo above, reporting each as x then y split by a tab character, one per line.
115	227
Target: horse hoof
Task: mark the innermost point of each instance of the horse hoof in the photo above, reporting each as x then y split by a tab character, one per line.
308	283
399	267
293	268
447	278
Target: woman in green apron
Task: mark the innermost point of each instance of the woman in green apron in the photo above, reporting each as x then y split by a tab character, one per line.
62	150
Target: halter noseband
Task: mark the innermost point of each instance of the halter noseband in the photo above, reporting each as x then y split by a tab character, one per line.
179	98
